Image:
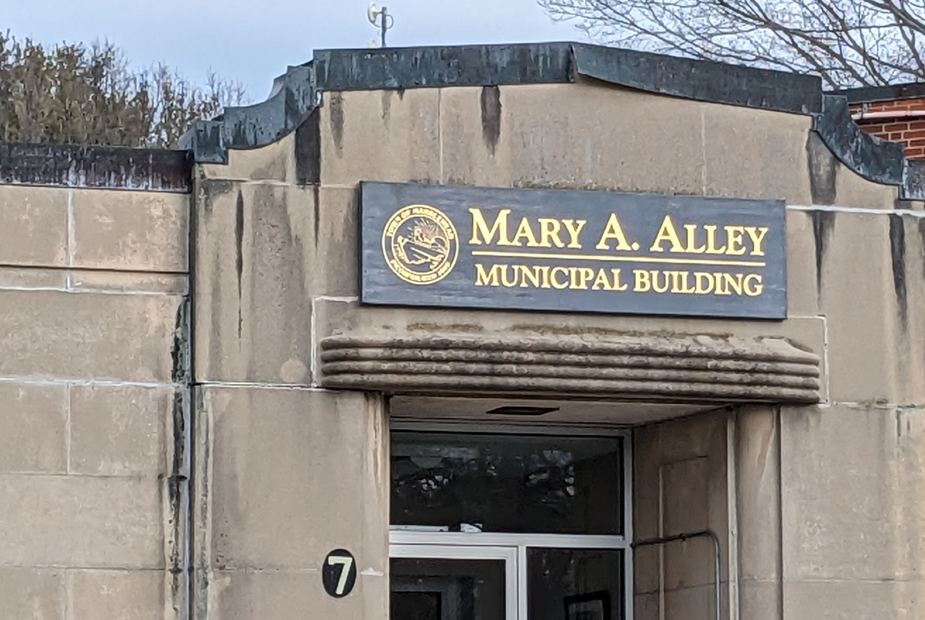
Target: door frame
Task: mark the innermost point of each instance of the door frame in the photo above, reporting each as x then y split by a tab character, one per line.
405	539
508	555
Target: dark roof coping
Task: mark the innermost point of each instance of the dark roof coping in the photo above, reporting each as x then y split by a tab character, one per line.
873	94
401	68
551	63
100	167
873	158
297	93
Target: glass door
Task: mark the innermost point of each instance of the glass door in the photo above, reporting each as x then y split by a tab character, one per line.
513	527
453	583
483	576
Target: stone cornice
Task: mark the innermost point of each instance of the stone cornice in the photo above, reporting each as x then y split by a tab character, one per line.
688	368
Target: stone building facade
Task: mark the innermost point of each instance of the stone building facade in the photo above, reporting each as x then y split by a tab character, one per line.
205	417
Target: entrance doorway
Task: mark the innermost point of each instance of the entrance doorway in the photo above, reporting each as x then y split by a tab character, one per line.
513	526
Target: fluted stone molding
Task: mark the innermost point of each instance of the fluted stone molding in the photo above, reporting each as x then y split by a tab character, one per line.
690	368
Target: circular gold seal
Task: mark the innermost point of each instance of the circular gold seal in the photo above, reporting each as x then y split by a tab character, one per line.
420	244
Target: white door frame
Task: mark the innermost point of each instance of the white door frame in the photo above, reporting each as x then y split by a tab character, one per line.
479	552
408	540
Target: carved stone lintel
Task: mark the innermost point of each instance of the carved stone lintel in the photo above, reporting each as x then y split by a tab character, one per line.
689	368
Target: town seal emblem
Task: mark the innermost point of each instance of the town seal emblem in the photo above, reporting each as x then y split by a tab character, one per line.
420	244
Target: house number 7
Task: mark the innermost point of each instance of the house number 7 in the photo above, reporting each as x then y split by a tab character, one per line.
339	573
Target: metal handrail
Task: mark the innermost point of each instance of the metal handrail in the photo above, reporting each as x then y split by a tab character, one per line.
716	557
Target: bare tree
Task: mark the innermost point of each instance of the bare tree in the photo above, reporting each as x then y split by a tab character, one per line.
75	94
846	42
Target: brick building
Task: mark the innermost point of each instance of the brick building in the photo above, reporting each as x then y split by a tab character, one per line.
894	113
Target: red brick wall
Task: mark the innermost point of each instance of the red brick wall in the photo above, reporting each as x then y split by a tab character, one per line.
905	124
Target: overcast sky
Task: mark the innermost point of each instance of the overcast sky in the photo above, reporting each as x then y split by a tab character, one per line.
255	40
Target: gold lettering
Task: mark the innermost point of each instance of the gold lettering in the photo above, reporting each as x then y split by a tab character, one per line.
643	283
711	241
601	282
549	232
613	230
555	283
757	236
525	231
756	289
584	275
692	240
681	276
499	227
486	279
616	281
667	233
700	288
544	269
573	231
733	281
528	273
655	286
504	281
734	240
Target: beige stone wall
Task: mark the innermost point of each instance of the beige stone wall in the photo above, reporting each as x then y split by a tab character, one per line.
285	472
854	279
852	509
680	478
92	379
852	522
814	506
587	135
291	474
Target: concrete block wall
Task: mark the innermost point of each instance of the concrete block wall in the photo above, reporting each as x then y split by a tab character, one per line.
852	513
285	472
93	286
829	520
680	486
812	504
107	393
761	480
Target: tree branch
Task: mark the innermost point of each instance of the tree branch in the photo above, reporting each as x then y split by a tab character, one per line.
846	42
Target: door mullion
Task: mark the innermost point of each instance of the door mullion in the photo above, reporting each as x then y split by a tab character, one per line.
521	582
512	579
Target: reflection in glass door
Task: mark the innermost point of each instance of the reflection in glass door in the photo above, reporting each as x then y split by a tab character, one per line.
510	527
459	583
575	584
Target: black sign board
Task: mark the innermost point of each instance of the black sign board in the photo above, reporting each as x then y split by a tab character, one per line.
339	573
572	251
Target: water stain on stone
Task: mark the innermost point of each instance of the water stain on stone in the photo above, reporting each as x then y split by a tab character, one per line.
823	171
490	101
239	249
386	107
316	206
921	227
898	263
337	122
823	226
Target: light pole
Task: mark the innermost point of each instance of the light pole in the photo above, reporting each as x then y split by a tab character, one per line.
374	14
